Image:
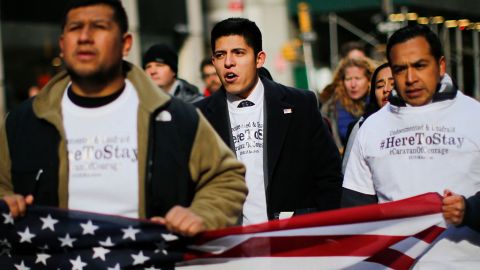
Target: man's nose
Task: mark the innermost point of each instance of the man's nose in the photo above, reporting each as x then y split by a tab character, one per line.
229	60
150	71
85	35
411	75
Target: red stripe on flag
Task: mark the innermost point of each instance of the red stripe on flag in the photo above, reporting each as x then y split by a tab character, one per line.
305	246
429	235
429	203
393	259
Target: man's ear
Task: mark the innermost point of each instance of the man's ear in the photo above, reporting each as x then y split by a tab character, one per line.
261	57
443	66
60	44
127	43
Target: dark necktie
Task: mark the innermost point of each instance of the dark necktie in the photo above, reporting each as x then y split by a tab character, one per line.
245	103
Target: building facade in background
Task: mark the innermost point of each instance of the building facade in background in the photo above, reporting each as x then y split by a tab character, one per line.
29	32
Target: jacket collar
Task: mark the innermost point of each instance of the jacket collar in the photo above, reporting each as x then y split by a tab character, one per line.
278	113
47	104
218	116
445	91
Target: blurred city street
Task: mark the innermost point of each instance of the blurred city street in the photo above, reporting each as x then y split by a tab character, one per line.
302	39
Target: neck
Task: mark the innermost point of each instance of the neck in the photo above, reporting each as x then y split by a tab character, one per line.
167	88
250	88
88	88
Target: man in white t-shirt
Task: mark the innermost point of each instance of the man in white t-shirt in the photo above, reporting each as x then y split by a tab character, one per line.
292	163
426	140
101	137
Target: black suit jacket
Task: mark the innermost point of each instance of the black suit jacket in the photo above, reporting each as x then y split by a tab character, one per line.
303	172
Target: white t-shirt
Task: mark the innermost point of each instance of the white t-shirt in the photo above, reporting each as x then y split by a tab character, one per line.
102	155
401	152
247	131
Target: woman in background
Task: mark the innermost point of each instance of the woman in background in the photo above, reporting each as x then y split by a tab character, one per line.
345	98
382	85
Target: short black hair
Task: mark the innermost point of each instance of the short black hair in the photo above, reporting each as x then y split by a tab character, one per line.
350	46
119	13
205	62
412	31
238	26
372	105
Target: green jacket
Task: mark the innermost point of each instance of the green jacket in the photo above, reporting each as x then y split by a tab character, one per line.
218	178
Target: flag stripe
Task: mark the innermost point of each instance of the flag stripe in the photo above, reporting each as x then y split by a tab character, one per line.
395	227
392	259
411	207
429	235
333	245
390	235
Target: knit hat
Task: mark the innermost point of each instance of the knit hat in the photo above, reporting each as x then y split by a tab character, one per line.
161	53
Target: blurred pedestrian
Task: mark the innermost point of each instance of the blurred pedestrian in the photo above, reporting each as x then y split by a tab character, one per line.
161	64
210	77
353	49
344	101
101	137
382	85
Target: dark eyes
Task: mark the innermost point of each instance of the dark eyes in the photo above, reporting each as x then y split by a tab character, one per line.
75	27
218	55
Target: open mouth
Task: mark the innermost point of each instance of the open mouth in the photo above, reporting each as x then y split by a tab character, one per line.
230	77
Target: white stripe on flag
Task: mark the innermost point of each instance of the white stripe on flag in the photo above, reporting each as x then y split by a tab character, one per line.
393	227
279	263
411	247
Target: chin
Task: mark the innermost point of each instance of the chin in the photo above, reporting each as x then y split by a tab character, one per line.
233	91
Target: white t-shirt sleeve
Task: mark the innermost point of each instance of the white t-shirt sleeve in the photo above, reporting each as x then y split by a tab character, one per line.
358	176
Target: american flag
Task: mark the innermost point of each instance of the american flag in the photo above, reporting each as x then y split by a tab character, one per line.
381	236
51	238
384	236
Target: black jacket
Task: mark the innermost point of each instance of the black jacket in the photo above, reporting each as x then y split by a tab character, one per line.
303	172
187	91
166	165
181	161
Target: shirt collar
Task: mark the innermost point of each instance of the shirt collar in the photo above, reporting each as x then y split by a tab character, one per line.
256	96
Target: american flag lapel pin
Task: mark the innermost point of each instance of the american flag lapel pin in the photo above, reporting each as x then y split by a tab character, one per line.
287	111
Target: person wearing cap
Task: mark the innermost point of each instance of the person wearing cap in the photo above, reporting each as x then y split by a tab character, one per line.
425	140
161	64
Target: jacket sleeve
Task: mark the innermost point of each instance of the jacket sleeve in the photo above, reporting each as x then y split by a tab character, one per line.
219	176
472	212
325	156
5	164
351	198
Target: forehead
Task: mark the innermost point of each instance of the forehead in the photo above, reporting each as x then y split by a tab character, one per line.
208	67
384	72
354	70
231	42
411	50
93	12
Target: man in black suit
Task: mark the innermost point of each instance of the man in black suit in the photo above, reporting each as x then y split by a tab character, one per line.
293	165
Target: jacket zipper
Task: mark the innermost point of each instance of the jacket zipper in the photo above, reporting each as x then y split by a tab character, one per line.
39	173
